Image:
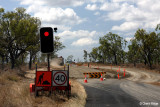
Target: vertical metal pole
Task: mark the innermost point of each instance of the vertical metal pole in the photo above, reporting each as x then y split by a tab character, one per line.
68	80
51	82
35	82
48	62
36	66
49	70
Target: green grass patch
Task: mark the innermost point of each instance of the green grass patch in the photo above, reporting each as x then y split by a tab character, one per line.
13	78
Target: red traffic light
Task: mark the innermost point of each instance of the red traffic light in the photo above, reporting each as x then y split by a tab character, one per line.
46	33
46	39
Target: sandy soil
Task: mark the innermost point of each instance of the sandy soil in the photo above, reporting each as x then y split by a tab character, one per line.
138	75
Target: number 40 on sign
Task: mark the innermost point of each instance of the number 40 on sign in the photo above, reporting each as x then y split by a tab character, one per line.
59	78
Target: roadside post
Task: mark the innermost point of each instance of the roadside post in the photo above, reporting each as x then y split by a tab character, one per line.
68	81
36	65
35	81
64	66
49	71
124	72
48	62
118	74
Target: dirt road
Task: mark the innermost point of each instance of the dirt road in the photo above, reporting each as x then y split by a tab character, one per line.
138	75
132	91
120	93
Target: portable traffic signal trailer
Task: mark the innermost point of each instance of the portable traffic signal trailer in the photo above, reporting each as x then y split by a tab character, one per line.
50	80
55	80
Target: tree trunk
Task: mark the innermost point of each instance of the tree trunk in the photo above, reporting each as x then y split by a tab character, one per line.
6	60
123	61
103	60
12	59
34	58
145	62
2	62
22	57
12	63
115	59
134	64
149	61
30	62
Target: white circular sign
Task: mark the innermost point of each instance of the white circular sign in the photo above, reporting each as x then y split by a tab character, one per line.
59	78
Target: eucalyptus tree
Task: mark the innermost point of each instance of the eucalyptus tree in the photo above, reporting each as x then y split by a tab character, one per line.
147	45
18	32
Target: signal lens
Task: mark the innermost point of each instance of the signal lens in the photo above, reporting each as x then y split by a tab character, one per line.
46	33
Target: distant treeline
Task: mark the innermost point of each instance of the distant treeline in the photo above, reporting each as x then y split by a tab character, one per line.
143	48
19	38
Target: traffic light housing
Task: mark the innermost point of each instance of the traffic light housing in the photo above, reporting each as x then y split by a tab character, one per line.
46	39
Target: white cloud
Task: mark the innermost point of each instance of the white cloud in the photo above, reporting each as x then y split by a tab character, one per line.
58	16
52	15
126	26
54	3
118	1
95	1
65	2
84	42
126	12
60	27
91	7
128	38
77	34
30	2
129	12
97	13
128	34
109	6
135	14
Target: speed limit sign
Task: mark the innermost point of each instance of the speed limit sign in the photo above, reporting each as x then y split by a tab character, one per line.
59	78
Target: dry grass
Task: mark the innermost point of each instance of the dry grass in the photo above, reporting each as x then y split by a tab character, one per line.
155	67
8	76
79	64
114	73
11	89
155	83
138	65
14	92
78	97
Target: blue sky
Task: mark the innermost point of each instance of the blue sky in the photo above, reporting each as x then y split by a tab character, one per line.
80	23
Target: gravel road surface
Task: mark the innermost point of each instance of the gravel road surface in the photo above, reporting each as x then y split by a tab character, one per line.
129	92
